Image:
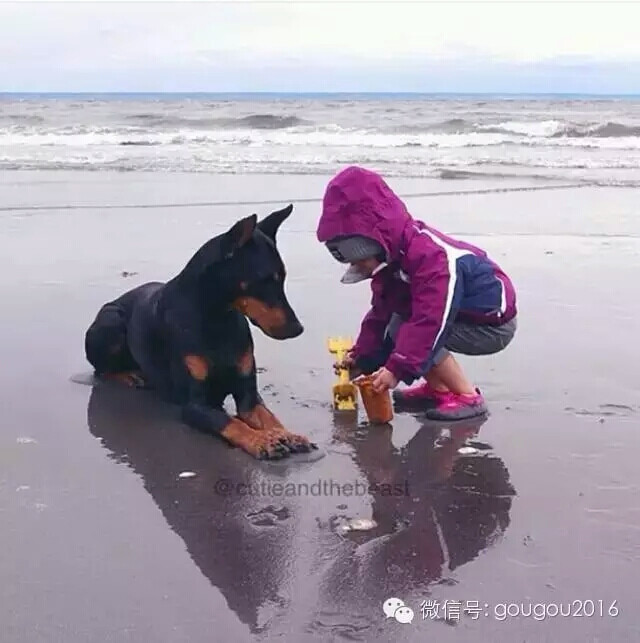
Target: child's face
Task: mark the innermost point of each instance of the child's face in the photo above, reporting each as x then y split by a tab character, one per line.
366	266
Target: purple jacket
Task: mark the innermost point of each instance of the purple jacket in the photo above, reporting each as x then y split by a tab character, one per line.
431	279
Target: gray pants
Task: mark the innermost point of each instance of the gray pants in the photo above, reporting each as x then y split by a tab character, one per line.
464	338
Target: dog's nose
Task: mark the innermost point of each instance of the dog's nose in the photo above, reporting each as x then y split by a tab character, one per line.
297	329
291	330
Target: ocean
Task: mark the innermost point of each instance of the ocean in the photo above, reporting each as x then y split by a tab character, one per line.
553	138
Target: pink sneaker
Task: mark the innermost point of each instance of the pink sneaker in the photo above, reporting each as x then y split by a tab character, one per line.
418	394
452	406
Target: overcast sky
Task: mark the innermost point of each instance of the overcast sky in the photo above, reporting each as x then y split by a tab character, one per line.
504	46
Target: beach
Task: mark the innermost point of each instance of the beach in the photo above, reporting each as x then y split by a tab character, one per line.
104	541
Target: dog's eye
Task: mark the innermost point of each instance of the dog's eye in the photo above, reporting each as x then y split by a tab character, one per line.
243	285
276	276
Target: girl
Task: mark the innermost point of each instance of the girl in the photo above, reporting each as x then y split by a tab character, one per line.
432	295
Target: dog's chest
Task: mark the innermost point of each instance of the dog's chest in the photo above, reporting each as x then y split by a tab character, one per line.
226	347
224	357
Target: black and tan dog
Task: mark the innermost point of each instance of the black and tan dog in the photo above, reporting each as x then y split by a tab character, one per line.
189	339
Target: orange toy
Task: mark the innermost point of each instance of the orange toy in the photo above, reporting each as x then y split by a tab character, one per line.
378	406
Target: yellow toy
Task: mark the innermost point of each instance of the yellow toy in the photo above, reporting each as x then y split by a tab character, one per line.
345	394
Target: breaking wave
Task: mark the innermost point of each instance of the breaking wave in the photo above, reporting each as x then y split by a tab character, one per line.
252	121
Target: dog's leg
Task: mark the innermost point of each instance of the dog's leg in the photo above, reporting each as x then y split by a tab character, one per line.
258	444
133	379
107	351
200	415
253	411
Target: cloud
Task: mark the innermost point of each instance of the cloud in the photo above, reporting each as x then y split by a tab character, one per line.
348	46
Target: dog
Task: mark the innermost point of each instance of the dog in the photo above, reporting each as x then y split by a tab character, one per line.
189	340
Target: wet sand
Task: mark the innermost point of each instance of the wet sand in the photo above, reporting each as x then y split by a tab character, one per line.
103	541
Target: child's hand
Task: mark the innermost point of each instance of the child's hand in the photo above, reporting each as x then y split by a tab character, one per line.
383	380
348	362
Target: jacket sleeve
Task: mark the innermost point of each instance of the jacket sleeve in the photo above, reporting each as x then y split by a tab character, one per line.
434	295
372	330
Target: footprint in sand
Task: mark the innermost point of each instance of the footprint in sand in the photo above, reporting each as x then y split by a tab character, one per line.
269	516
607	410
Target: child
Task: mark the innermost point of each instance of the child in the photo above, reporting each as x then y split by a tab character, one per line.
431	295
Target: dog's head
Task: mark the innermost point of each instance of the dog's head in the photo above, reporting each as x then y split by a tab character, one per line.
248	272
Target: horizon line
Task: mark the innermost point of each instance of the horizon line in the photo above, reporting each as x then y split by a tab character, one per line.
310	93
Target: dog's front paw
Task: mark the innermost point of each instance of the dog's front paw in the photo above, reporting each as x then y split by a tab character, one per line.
262	445
299	443
291	441
263	420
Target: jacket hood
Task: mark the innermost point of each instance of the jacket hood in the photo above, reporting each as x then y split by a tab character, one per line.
358	201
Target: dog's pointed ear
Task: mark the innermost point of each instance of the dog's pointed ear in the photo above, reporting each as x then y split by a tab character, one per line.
270	224
239	234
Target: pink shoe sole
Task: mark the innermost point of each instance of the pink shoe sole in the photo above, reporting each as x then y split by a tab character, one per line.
458	407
